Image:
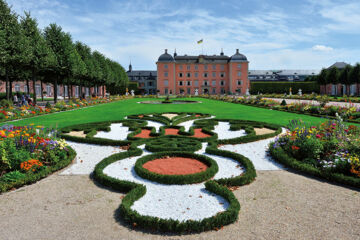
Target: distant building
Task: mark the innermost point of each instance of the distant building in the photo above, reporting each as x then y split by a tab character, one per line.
203	74
281	75
146	80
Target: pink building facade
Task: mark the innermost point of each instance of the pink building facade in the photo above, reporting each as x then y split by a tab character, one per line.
203	74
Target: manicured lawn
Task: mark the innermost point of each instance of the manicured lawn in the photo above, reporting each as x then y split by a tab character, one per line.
120	109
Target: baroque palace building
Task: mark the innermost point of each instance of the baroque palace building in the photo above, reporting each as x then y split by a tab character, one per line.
203	74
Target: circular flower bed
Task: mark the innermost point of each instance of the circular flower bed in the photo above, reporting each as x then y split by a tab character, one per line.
209	167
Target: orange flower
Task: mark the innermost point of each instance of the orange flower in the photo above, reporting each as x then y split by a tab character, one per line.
293	147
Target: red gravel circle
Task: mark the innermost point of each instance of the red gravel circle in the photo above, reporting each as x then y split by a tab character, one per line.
199	134
175	166
171	131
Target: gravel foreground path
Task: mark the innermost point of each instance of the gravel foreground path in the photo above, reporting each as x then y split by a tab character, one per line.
278	205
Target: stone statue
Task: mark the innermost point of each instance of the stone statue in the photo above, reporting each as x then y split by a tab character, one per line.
247	92
132	93
127	92
300	92
290	93
196	92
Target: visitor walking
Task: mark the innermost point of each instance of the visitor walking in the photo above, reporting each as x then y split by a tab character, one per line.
23	100
15	100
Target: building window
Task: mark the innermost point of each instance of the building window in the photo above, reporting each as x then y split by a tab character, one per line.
213	82
150	84
165	66
206	83
205	67
48	90
180	74
166	74
77	91
239	74
222	74
181	83
239	82
87	91
222	67
181	67
222	83
17	88
166	83
188	90
205	74
196	67
196	74
214	67
214	90
166	91
214	74
196	83
239	66
25	88
188	83
222	90
188	75
188	67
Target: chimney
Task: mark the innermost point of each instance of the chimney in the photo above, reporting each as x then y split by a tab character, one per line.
237	51
222	52
165	51
175	54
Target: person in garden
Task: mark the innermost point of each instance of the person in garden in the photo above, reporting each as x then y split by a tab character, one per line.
23	100
15	100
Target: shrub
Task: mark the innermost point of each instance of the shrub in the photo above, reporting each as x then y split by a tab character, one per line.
283	87
283	102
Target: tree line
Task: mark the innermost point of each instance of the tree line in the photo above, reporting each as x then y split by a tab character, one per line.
348	75
30	54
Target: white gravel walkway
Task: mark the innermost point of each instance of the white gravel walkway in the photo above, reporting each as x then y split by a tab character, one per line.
87	156
223	131
256	152
154	124
180	202
117	132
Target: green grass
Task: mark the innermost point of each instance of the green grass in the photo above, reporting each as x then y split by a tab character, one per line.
118	110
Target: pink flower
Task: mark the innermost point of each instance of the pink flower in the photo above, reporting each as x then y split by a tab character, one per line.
334	124
318	136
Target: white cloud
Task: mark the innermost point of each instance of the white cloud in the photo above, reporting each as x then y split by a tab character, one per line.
322	48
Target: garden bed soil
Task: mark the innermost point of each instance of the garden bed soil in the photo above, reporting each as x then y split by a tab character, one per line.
145	133
171	131
175	166
199	134
263	131
170	115
76	134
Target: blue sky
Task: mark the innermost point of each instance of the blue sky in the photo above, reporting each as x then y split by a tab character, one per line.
280	34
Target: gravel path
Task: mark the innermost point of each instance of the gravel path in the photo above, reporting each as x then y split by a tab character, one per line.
278	205
223	131
312	102
256	152
181	202
117	132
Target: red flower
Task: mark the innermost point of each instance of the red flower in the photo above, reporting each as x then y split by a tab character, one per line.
293	147
318	136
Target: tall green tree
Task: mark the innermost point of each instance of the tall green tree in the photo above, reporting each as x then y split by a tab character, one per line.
344	78
14	52
37	47
332	75
62	47
354	75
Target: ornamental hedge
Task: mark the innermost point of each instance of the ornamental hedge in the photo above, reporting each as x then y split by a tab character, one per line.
284	87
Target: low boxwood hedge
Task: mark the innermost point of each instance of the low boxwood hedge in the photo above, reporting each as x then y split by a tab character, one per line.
173	143
176	179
